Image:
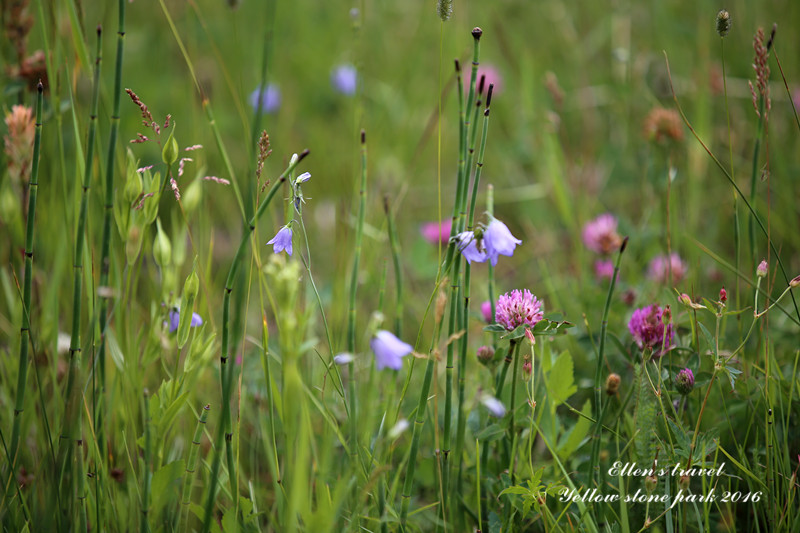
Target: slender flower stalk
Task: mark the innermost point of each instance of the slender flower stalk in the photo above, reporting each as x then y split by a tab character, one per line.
398	273
226	366
25	335
599	407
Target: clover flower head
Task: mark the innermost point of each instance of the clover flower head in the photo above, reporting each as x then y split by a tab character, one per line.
175	319
389	350
600	235
282	240
269	98
684	381
344	79
647	328
491	75
516	308
436	233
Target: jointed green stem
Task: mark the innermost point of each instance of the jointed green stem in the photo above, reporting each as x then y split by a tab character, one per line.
22	372
226	365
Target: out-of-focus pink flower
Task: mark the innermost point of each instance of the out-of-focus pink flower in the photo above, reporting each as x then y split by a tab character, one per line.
603	269
600	235
660	266
486	311
492	77
436	233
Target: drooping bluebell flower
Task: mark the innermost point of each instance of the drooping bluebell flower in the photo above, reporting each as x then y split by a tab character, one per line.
282	240
269	98
498	240
344	79
389	350
175	318
471	247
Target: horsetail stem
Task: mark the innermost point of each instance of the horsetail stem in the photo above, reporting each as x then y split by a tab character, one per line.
398	273
464	315
25	328
226	374
106	243
191	468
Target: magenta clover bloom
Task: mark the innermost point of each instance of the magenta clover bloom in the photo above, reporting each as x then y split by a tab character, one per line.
516	308
647	328
389	350
432	233
660	266
268	99
175	318
344	79
684	381
600	235
282	240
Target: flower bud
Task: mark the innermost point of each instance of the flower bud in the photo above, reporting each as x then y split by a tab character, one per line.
761	271
795	282
723	295
485	354
162	247
169	154
723	23
666	315
527	369
612	384
650	484
684	381
683	482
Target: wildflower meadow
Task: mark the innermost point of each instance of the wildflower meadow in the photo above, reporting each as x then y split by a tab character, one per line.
399	266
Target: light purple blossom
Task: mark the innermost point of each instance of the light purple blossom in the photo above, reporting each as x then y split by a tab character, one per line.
660	266
498	240
432	233
600	235
468	246
344	79
516	308
282	240
389	350
647	328
269	99
175	319
495	406
343	358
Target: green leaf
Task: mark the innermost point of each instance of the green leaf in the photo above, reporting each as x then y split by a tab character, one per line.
494	328
579	431
708	336
491	433
165	485
561	382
